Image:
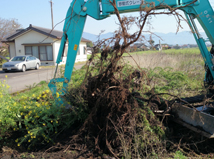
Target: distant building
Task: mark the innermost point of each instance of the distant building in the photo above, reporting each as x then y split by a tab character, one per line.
185	46
165	46
141	46
188	46
158	47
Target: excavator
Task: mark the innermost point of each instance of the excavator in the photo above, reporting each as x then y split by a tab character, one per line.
100	9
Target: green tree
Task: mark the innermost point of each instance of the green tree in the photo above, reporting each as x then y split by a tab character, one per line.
7	28
177	46
89	44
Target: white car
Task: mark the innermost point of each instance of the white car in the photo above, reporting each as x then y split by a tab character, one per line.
21	63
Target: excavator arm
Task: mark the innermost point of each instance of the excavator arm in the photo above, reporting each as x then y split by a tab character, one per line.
72	33
79	10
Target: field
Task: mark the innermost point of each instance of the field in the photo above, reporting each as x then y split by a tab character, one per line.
179	60
33	126
187	62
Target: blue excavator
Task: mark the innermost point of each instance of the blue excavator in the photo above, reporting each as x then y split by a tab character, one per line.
78	11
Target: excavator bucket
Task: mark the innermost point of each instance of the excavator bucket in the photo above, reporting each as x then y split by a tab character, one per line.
199	119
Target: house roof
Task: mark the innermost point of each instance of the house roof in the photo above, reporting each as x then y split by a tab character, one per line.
48	32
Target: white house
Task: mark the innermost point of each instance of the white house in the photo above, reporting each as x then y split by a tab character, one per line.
41	43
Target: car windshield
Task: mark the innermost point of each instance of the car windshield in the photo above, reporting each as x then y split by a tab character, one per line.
18	58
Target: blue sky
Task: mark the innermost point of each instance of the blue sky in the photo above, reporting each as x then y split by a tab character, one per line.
38	12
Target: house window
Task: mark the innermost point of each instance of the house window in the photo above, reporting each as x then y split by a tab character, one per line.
44	53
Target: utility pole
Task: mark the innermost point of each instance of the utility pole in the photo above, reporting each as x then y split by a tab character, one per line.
52	13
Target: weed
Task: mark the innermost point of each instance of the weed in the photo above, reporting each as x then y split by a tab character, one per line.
31	86
23	155
179	155
174	82
31	156
42	82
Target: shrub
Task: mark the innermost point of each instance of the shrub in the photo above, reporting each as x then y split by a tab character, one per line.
166	80
34	120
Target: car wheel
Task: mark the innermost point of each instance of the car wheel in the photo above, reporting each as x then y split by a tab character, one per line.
6	71
37	66
23	68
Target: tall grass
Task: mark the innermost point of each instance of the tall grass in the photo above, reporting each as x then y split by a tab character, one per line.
164	69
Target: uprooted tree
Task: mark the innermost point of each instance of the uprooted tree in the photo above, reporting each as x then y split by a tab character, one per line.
119	98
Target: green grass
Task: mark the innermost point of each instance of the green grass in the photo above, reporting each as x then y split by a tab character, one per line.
178	83
179	155
169	51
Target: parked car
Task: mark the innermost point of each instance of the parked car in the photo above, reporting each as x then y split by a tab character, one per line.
21	63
